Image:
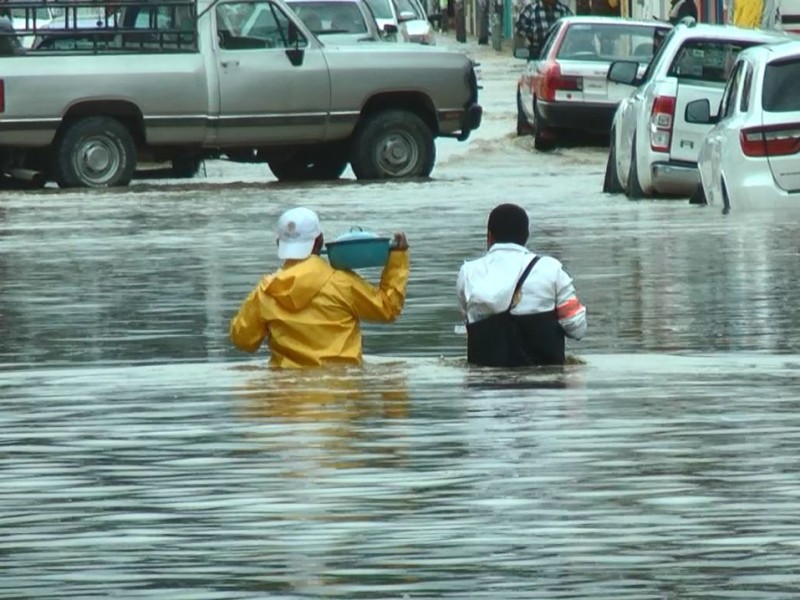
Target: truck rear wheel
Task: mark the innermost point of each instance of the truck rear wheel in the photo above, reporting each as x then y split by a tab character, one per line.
95	152
393	144
309	165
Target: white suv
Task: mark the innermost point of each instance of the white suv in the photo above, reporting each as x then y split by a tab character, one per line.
751	156
653	149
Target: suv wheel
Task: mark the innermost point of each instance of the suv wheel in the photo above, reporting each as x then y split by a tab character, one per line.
392	144
95	152
634	191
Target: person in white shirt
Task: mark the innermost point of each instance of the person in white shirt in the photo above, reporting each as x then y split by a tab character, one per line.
519	306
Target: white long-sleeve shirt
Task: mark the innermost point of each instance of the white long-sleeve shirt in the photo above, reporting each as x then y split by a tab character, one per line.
485	287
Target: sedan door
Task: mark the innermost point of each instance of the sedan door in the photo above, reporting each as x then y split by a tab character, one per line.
270	89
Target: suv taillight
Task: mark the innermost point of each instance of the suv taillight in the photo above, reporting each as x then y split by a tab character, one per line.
553	80
661	121
758	141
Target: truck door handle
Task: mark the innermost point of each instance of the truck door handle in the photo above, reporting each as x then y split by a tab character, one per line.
230	63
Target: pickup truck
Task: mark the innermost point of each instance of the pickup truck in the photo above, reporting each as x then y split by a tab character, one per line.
179	80
654	149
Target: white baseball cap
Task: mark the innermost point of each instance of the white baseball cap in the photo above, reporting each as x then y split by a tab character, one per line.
298	229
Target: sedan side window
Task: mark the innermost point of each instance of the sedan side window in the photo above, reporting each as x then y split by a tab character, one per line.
254	26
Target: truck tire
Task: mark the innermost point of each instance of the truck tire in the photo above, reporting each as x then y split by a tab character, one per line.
308	165
611	183
541	141
523	127
634	191
186	167
392	144
95	152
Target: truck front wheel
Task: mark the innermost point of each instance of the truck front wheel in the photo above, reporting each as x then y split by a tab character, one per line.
95	152
393	144
309	166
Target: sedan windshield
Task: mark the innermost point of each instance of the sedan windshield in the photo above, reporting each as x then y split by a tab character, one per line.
381	8
325	18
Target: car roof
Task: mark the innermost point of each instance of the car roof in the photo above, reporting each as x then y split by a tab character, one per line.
599	20
729	32
772	52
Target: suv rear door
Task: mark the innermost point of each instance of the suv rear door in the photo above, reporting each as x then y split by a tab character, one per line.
701	68
780	137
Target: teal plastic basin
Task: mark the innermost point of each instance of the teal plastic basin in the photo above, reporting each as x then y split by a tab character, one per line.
358	249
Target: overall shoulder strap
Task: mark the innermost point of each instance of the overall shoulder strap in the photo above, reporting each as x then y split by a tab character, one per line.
521	280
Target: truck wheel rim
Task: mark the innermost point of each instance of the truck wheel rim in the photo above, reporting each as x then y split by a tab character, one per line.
398	154
97	160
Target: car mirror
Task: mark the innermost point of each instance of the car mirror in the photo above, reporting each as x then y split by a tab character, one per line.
699	112
390	29
625	72
406	15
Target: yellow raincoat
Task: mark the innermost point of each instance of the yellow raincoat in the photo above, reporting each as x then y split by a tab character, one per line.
310	312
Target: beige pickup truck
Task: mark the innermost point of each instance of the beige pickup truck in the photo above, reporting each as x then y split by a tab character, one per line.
178	80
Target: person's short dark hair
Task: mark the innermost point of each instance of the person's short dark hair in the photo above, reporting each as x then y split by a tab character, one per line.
508	224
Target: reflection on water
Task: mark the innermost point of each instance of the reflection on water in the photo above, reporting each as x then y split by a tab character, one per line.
141	456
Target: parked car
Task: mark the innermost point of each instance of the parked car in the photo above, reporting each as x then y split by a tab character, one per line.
387	14
565	87
653	148
412	15
750	156
338	21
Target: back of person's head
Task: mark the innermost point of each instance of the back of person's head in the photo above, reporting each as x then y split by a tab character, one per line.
508	224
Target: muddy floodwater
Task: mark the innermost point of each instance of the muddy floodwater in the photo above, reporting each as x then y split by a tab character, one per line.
141	456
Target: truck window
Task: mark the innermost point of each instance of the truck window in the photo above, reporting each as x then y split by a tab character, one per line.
782	86
660	44
253	26
706	60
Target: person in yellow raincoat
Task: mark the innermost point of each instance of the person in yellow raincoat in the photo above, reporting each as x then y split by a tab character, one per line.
308	311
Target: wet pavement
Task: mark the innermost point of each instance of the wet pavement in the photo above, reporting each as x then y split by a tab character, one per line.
142	457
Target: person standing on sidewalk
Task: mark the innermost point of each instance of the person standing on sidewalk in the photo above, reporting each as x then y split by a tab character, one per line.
537	18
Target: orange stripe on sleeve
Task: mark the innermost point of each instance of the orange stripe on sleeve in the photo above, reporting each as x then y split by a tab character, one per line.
570	308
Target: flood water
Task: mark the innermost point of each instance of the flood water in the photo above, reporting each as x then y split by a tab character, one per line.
141	456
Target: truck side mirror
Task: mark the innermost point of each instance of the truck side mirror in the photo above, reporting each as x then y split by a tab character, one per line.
625	72
699	112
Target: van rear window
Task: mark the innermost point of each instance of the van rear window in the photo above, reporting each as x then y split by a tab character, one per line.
782	86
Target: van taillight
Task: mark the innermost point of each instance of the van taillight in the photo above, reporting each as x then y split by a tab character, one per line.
2	96
758	141
662	118
553	81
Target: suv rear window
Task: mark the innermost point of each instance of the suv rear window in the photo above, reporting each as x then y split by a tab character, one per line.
596	42
782	86
706	60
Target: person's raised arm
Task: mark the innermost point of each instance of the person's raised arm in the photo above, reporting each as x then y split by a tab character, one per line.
385	302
